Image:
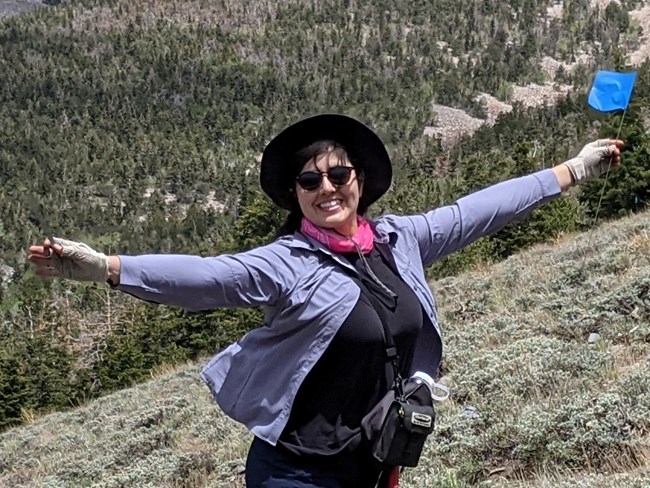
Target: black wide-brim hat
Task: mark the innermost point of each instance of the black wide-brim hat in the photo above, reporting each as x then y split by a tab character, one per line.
364	147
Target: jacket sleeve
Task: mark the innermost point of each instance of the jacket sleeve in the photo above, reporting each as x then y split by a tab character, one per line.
257	277
444	230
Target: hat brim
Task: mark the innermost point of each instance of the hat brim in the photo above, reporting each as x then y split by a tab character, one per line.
365	148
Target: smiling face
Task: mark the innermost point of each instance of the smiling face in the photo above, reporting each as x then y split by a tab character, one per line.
331	206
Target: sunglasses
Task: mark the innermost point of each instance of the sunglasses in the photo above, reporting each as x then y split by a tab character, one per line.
337	176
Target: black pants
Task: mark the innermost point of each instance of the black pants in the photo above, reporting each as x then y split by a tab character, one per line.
276	467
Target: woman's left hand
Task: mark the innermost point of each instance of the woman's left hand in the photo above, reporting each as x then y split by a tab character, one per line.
595	159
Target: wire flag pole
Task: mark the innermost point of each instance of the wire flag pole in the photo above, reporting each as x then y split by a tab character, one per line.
610	91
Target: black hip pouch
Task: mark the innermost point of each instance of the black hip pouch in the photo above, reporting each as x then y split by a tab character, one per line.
398	426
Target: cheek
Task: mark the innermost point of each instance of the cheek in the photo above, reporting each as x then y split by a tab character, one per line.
304	201
359	190
356	190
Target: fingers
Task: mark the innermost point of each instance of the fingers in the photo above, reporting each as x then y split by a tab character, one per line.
45	249
614	148
608	142
41	255
39	251
615	152
54	245
44	265
37	260
47	272
611	153
58	249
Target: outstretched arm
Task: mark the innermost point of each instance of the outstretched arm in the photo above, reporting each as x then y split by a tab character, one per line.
445	230
257	277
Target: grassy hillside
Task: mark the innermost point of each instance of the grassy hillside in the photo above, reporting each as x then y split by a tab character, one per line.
537	400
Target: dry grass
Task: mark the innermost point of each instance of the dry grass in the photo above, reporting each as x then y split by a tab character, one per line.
163	433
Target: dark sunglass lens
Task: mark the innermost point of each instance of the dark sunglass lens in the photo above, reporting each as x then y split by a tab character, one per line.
309	180
339	175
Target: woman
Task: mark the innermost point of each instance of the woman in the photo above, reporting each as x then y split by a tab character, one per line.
304	380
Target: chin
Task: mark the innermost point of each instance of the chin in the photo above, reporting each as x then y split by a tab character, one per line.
328	224
335	222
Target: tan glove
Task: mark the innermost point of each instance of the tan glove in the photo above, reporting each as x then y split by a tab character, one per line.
593	161
78	261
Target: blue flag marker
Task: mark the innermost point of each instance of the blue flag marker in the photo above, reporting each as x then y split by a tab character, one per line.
611	90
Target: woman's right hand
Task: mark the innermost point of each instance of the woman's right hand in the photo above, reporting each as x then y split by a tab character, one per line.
61	258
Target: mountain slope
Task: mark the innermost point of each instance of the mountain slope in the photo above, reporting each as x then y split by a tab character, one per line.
538	400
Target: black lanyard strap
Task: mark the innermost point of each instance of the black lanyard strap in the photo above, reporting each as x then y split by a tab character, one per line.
379	298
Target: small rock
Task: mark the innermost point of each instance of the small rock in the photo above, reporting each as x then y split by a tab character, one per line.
6	273
471	412
593	338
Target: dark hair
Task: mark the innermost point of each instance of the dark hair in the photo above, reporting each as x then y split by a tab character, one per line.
299	160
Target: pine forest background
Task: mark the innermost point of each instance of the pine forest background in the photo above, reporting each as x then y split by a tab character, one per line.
138	126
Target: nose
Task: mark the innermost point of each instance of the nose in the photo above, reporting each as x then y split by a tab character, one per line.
326	185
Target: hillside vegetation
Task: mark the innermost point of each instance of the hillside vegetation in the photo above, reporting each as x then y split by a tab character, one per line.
136	126
534	404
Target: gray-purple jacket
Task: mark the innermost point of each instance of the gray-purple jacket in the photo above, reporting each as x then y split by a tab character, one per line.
306	295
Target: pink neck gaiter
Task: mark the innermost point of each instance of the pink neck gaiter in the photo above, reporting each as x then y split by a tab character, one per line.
364	238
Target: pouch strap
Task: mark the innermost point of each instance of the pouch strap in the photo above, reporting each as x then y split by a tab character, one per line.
389	341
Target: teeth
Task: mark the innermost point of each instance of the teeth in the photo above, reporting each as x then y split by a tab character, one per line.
328	205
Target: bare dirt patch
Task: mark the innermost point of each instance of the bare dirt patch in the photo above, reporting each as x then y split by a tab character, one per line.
642	16
534	95
451	124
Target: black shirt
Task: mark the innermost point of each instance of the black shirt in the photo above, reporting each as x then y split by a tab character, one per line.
353	373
